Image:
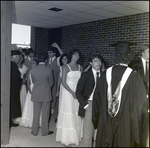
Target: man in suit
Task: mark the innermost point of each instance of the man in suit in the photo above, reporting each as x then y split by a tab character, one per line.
28	59
27	62
15	87
118	102
52	61
84	92
141	65
41	97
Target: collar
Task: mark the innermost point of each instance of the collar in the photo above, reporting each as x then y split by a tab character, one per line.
53	58
123	64
29	58
94	71
143	60
41	63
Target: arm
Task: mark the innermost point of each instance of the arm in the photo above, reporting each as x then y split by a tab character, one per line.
65	70
28	82
58	85
80	90
59	49
87	68
51	78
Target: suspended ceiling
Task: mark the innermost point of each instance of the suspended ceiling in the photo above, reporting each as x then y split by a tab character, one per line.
37	13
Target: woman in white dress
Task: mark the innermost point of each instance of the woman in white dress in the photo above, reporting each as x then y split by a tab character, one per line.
27	114
69	123
64	59
23	70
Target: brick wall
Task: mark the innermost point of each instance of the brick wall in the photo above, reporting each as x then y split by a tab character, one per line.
96	36
39	39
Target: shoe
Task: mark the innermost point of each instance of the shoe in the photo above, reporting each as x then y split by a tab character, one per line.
14	124
49	133
33	134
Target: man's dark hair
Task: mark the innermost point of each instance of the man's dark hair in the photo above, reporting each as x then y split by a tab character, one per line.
41	57
54	50
93	56
124	57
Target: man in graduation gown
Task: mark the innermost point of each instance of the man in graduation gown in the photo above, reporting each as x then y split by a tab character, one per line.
123	127
15	86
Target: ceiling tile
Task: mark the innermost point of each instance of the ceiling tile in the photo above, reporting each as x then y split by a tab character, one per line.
139	5
121	9
96	3
70	5
104	13
87	15
74	12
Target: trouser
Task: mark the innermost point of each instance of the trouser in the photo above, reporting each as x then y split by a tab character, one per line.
37	108
88	128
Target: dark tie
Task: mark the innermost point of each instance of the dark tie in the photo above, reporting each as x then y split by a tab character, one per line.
50	61
97	76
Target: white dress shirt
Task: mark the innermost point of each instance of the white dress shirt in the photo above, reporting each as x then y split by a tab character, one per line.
144	65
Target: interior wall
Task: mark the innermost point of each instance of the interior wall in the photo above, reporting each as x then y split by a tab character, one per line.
96	36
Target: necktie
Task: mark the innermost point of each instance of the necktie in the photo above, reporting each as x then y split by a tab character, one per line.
97	76
50	61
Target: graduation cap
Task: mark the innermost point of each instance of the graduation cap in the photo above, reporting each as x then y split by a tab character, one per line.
123	46
15	52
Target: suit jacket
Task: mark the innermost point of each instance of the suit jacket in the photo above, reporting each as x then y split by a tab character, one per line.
85	87
56	71
137	65
42	78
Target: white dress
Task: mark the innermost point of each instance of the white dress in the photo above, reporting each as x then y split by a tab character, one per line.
23	92
68	122
27	114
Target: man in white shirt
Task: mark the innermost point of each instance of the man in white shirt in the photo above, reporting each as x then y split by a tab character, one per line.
52	61
84	92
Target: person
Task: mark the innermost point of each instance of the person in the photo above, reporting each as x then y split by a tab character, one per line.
52	61
15	87
84	92
23	70
27	114
118	102
69	123
42	78
64	59
28	59
140	66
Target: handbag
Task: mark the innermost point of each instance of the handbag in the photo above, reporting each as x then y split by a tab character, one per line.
81	111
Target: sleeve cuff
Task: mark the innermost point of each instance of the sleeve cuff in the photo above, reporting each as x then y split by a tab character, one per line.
86	106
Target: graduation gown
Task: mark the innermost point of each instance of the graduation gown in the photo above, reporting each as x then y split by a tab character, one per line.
15	86
123	130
